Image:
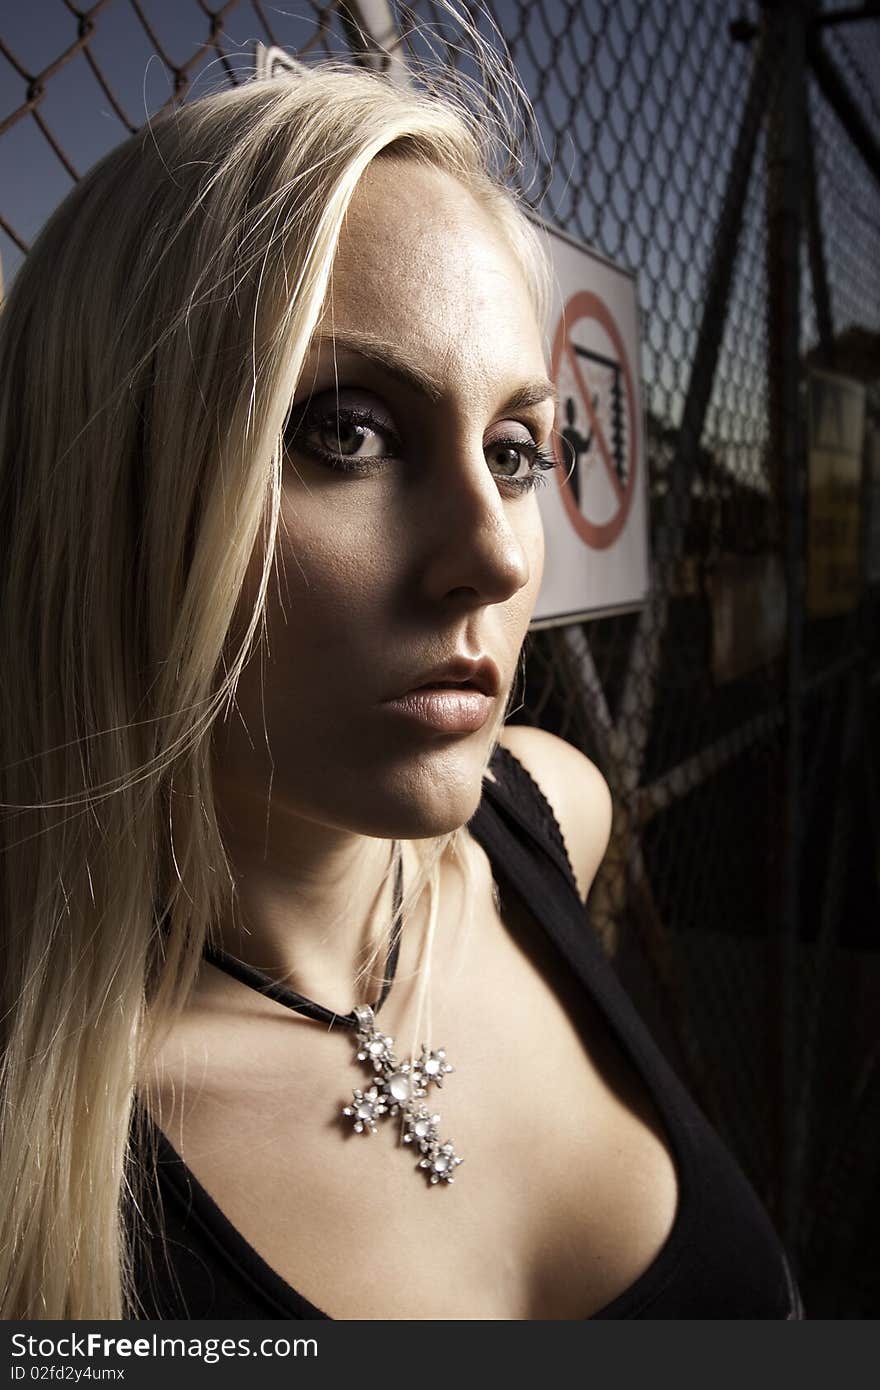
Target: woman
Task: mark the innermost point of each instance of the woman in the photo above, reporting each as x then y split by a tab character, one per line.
274	412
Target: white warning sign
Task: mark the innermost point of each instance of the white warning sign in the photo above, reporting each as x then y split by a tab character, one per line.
595	516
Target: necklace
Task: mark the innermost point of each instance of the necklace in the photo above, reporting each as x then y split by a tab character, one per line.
397	1087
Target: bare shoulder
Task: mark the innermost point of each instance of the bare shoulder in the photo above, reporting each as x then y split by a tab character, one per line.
575	789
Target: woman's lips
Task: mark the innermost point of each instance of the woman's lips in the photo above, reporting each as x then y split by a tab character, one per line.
445	710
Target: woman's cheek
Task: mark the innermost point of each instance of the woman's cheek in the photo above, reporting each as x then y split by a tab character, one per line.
534	545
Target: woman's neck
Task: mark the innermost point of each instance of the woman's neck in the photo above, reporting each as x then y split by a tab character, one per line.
312	914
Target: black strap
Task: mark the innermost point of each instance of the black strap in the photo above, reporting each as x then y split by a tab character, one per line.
249	975
523	799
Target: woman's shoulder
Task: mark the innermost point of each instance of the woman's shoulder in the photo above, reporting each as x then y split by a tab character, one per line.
576	791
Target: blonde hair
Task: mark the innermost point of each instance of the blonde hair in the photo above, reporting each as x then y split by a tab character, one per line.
150	347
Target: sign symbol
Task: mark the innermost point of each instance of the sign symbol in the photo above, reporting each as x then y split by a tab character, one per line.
579	444
599	388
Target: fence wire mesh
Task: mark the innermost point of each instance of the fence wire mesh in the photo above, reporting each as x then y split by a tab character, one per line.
657	146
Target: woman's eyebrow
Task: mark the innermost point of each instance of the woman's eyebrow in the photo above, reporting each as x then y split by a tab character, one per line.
533	393
387	356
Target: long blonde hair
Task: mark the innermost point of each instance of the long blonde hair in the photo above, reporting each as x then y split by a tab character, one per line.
149	350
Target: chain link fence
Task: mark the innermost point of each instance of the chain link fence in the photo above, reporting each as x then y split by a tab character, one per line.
704	146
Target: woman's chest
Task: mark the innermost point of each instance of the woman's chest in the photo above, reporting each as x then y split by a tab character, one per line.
565	1195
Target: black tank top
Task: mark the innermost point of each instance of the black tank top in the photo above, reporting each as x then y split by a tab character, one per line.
722	1258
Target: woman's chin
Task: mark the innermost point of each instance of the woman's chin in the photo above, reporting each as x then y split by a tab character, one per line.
402	813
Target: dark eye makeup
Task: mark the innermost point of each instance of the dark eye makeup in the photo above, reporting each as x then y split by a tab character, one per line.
355	439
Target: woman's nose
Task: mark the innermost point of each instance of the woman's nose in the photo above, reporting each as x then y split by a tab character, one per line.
471	537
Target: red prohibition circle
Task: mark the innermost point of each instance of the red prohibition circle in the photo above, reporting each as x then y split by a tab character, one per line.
586	305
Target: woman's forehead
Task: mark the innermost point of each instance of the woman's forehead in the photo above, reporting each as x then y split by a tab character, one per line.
422	268
428	220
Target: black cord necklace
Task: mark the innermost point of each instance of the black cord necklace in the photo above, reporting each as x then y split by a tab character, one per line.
397	1087
282	994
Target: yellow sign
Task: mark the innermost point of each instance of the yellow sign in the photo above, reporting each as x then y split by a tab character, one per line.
836	417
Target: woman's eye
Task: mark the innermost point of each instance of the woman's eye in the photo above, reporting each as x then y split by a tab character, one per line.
507	457
339	435
351	437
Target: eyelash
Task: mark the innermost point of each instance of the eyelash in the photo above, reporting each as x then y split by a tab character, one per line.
541	460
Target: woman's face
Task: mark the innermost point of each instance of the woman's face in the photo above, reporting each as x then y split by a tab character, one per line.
426	379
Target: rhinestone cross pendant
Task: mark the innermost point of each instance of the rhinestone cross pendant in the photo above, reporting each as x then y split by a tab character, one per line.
398	1087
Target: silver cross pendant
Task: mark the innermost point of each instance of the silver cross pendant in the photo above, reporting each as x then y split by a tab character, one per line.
398	1088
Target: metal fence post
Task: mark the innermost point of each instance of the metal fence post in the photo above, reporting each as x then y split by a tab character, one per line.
785	182
816	246
373	37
